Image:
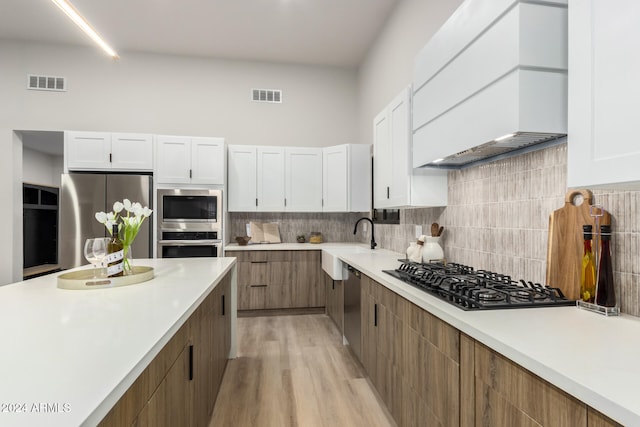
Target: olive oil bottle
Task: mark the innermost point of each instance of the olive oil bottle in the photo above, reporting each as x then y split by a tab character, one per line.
588	277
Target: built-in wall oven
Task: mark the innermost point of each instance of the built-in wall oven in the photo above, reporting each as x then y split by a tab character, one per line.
189	223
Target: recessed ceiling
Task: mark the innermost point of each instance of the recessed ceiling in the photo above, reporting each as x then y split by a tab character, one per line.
317	32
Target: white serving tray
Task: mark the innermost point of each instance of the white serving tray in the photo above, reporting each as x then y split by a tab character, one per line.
83	279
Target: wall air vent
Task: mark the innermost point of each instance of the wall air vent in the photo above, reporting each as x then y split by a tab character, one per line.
266	95
37	82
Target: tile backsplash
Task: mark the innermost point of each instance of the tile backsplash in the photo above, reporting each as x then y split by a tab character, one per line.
497	219
335	227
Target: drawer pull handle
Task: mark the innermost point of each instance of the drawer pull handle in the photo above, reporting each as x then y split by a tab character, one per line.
191	362
257	286
375	315
259	262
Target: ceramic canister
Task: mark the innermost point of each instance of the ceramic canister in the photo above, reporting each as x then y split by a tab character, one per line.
432	250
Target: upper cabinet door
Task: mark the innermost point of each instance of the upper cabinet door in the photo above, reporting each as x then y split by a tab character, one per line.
87	150
392	138
242	179
132	151
207	161
173	160
400	132
271	189
395	183
335	179
382	167
603	93
304	179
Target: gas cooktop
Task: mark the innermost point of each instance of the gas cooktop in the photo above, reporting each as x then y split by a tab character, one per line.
472	289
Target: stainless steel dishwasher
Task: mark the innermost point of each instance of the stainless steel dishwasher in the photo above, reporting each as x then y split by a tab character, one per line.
352	310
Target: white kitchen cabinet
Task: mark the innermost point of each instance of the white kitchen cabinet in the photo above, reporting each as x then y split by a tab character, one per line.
207	160
132	151
256	179
173	160
346	178
189	160
103	151
603	94
271	179
299	179
242	181
303	169
395	183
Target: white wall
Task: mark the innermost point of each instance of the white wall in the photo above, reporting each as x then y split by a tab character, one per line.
11	206
40	168
388	66
161	94
177	95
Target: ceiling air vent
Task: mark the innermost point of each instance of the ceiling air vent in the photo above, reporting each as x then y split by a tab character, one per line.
54	83
266	95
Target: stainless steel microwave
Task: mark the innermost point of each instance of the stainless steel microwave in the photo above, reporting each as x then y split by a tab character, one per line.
189	210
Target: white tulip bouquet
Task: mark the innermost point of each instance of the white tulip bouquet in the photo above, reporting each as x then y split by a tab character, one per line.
128	225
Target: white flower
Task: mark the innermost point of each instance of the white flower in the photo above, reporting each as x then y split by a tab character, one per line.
117	207
136	208
101	217
129	224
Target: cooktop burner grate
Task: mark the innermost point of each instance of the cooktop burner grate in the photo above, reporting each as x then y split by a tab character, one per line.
472	289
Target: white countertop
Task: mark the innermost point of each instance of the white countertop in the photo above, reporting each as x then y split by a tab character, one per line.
592	357
72	354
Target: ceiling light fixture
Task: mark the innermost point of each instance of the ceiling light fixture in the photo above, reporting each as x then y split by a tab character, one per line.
81	22
503	137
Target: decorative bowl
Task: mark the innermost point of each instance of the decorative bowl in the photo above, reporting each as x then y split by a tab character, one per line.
243	240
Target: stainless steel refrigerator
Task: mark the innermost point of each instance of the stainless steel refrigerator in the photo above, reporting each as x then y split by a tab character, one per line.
84	194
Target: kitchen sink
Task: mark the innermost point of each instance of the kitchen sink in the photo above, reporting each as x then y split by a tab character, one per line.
332	264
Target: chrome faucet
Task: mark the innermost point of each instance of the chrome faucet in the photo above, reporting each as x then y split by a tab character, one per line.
373	239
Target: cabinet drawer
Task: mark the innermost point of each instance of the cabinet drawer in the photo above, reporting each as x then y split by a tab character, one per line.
279	279
502	385
252	297
262	256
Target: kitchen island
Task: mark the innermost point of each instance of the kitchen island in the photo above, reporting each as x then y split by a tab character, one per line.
69	356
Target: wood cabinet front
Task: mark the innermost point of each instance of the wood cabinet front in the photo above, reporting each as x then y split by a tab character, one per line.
180	385
509	395
412	358
279	279
171	403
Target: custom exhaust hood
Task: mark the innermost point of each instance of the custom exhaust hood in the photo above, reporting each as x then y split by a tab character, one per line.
491	81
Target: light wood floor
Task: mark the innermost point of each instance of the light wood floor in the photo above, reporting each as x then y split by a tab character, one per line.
294	371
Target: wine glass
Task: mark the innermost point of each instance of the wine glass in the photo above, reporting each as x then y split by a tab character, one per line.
94	251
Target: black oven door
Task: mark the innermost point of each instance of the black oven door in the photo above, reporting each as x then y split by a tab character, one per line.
175	249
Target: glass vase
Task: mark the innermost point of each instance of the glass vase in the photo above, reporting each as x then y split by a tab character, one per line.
128	260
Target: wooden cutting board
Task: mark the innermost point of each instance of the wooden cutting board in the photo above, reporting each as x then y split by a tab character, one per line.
566	242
